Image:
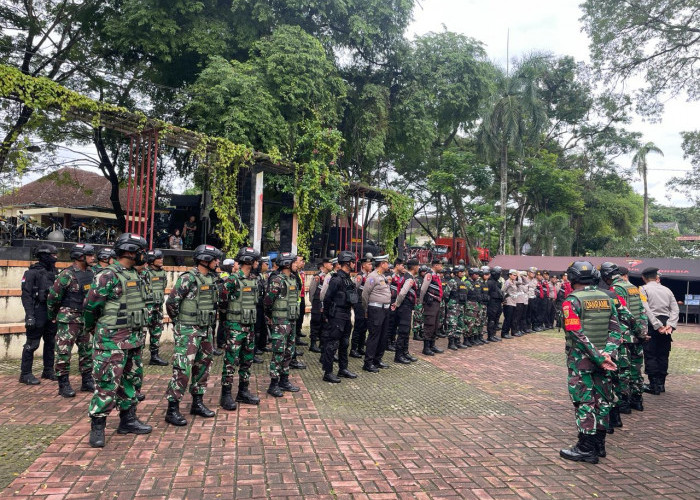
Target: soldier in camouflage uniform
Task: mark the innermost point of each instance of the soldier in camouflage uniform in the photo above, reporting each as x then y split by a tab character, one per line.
192	304
453	310
484	275
634	330
462	290
418	308
281	311
65	307
472	310
592	340
104	258
115	309
158	279
239	300
635	303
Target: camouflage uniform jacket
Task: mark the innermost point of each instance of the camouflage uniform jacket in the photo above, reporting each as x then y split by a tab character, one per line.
277	286
185	287
106	287
66	281
586	356
231	290
638	327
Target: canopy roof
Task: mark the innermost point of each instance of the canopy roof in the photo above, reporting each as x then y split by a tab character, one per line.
679	269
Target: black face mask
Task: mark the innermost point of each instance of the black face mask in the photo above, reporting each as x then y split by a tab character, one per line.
140	258
47	260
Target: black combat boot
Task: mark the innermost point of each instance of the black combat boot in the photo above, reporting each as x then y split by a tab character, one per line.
198	407
297	365
662	383
391	347
355	354
155	359
226	401
636	402
416	336
345	373
64	388
173	415
600	443
517	334
29	379
331	377
315	348
506	336
407	355
129	424
426	348
467	341
615	420
434	348
400	359
369	367
624	405
451	344
49	374
88	384
274	389
583	451
653	386
140	396
477	340
97	431
244	395
286	385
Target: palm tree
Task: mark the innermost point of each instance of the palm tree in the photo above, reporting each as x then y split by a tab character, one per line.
515	120
640	161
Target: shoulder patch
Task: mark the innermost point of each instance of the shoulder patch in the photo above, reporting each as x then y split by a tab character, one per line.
572	322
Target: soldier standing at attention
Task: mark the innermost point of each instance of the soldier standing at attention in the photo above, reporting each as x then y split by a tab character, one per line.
281	311
484	276
403	309
453	310
395	283
65	308
316	325
662	311
495	303
376	300
115	308
261	333
158	279
592	340
359	331
192	304
35	289
431	293
635	350
340	298
104	258
239	300
418	308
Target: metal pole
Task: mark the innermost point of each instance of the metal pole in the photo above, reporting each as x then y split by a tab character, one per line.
148	186
128	183
143	161
155	193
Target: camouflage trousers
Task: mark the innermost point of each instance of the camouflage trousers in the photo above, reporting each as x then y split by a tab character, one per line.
116	375
452	323
192	356
592	396
418	320
621	376
155	328
480	319
469	318
240	350
282	338
636	378
68	334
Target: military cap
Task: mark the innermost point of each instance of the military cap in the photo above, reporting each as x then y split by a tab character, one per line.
545	272
382	258
650	272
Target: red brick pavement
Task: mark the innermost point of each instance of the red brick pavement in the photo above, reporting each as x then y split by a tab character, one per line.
285	449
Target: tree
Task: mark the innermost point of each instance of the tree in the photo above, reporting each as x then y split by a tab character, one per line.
639	160
659	39
689	184
515	120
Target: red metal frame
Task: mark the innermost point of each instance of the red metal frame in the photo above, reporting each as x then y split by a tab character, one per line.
143	150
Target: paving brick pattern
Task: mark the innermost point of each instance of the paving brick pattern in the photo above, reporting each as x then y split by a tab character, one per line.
478	423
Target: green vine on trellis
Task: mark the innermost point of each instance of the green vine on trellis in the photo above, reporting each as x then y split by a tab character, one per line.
398	214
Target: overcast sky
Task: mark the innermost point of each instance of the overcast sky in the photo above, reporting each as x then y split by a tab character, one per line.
554	26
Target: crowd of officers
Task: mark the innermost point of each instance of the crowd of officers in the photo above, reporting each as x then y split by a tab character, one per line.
107	303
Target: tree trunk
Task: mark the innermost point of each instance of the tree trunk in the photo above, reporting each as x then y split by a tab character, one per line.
108	170
646	203
518	228
504	198
13	134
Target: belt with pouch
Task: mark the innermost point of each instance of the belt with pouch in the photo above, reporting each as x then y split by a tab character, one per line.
379	304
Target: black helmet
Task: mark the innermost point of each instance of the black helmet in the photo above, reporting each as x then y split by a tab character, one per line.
81	250
581	271
129	242
105	254
286	259
423	269
346	256
609	270
460	268
247	255
153	255
46	249
496	272
206	253
473	270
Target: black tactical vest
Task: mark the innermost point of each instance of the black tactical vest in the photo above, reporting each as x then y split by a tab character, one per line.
77	289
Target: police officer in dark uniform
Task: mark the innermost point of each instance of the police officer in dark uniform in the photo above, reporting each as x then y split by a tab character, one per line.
35	289
494	306
340	298
406	300
359	331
